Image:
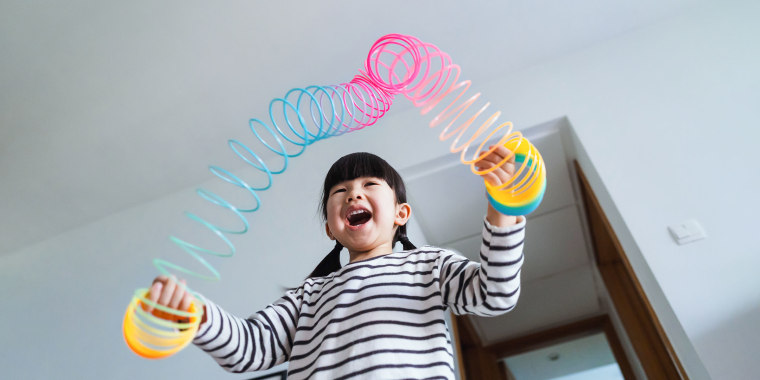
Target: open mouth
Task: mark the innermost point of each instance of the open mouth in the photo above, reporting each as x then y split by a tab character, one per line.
359	216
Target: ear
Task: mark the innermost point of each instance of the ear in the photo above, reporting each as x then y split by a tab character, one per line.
327	231
403	213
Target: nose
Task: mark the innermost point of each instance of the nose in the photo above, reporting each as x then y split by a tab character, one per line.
354	195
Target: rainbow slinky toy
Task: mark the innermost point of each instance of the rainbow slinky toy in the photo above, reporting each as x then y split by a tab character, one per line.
396	64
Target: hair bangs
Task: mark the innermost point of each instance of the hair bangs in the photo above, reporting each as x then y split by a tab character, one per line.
362	164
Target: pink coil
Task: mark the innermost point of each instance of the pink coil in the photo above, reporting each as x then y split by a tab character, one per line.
400	64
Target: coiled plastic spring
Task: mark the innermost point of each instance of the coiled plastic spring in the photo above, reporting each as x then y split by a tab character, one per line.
400	64
396	64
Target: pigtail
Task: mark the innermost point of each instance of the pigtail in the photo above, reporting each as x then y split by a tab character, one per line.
330	263
403	239
408	246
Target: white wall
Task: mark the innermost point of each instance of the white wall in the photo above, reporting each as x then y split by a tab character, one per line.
70	291
666	115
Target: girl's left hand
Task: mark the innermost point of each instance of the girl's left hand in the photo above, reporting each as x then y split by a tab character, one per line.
502	174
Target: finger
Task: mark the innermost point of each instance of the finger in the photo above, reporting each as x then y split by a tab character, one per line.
492	179
498	155
168	292
504	155
487	164
507	170
161	278
484	165
184	305
153	294
489	156
508	167
497	175
504	152
504	158
186	301
503	175
179	293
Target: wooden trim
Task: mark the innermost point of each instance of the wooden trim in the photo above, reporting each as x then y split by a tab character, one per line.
543	338
467	331
458	344
564	333
481	364
654	350
478	362
504	371
617	350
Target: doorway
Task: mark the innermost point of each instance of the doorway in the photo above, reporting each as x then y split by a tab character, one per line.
589	348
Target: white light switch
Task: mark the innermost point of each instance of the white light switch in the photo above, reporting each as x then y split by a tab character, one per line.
687	231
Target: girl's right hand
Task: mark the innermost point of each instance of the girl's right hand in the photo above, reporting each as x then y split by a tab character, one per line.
167	292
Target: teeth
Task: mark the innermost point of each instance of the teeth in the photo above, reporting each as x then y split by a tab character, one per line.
358	216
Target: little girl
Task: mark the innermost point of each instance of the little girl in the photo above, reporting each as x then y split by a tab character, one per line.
382	314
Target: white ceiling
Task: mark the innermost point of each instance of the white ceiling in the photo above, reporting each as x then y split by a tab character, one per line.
106	105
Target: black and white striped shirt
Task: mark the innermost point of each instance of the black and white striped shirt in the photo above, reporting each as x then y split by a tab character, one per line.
377	318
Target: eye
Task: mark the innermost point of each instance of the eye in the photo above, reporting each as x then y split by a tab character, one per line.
370	183
341	190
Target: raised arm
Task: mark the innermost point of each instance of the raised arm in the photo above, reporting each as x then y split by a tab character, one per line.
492	286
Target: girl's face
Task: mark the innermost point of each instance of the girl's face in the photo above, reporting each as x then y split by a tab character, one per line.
362	214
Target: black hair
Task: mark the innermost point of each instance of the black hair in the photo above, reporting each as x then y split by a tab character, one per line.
349	167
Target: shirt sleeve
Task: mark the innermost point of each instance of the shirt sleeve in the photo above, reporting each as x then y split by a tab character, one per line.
491	287
258	342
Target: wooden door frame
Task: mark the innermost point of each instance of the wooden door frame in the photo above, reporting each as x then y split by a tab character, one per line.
487	360
646	334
